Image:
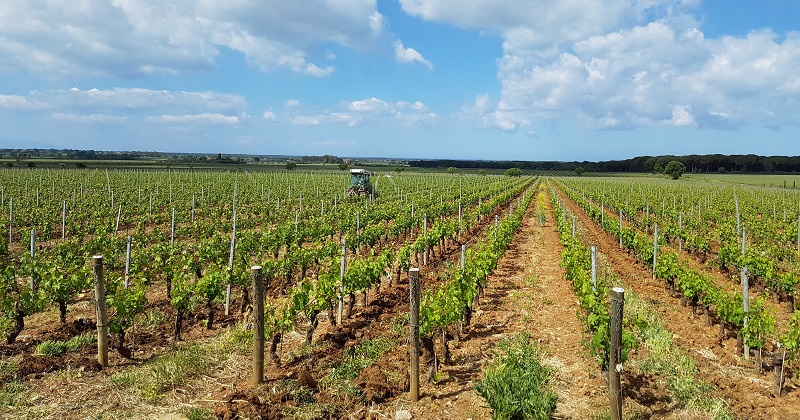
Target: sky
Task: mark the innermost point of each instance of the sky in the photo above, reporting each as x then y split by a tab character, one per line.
568	80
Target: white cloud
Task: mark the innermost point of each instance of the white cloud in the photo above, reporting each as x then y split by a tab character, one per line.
624	64
329	118
137	99
371	110
372	105
207	118
290	103
133	38
16	102
270	116
682	116
409	55
659	74
90	119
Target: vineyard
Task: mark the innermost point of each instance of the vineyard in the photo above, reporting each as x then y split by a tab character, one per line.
710	274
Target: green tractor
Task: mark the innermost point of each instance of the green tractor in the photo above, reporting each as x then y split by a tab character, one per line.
359	183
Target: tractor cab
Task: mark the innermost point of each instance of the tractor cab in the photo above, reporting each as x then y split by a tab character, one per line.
359	182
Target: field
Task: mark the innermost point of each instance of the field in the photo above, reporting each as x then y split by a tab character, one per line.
780	181
512	315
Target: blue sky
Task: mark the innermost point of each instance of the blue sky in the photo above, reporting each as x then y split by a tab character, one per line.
479	79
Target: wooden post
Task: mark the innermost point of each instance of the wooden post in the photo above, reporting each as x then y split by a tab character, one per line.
620	228
594	268
258	325
11	220
119	214
746	307
655	249
413	287
340	296
33	252
128	262
778	358
172	232
615	352
64	220
573	227
463	256
102	318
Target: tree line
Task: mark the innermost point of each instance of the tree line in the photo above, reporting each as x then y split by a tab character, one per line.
694	163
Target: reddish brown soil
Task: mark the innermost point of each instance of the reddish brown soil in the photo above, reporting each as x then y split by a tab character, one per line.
738	382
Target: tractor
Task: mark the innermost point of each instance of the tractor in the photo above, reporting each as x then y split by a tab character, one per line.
359	183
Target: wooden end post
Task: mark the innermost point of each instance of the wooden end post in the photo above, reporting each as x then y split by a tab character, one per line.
102	316
615	353
258	325
413	287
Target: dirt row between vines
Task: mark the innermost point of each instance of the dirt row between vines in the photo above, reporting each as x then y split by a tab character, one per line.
526	293
747	391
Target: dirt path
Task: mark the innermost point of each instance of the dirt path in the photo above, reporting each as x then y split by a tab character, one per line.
737	381
527	292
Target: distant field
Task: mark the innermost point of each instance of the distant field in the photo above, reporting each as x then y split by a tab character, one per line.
788	181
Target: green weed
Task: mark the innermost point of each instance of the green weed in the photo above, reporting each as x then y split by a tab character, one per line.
165	373
516	385
14	395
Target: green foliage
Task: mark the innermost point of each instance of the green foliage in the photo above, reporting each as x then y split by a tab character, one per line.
579	171
516	385
125	304
675	169
290	166
791	338
513	172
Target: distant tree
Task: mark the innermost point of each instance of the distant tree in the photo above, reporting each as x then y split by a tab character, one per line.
675	169
657	168
579	170
256	159
291	165
343	166
513	172
481	171
399	169
721	169
452	170
31	164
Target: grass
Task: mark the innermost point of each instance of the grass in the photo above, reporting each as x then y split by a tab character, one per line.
51	348
532	280
516	385
199	413
238	339
14	395
151	319
666	359
163	374
356	359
